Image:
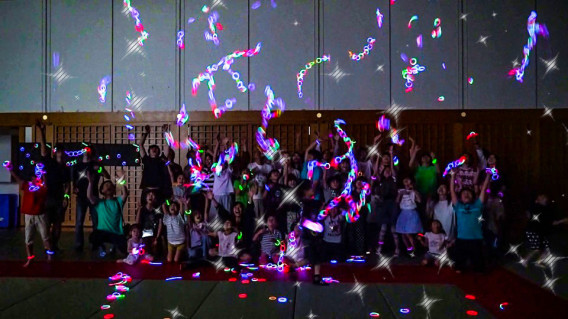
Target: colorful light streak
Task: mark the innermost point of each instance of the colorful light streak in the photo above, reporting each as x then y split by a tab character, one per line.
366	49
533	29
300	76
269	146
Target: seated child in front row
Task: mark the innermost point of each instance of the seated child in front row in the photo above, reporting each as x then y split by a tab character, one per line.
197	236
135	248
435	241
294	256
227	245
268	237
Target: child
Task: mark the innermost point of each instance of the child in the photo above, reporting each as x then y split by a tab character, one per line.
148	217
227	244
426	173
469	242
241	186
135	247
268	237
174	222
294	255
155	175
33	203
466	175
408	223
109	215
435	241
330	187
332	235
179	188
441	209
541	219
197	236
386	210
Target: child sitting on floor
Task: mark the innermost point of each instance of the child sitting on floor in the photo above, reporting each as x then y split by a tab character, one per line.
135	248
268	237
435	241
294	255
227	245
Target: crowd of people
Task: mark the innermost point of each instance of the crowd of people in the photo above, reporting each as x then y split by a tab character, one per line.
262	211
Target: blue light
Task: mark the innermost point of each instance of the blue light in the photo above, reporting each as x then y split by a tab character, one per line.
404	310
333	261
282	299
22	149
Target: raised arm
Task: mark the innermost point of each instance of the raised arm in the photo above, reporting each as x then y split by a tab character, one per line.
413	151
143	141
124	193
453	188
391	152
166	129
15	176
483	193
41	127
310	147
435	162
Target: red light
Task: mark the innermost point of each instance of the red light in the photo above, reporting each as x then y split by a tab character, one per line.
246	281
471	312
470	297
108	316
261	279
242	296
232	279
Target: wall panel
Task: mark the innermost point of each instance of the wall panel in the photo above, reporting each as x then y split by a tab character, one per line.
148	71
348	84
199	53
21	56
489	64
80	33
288	36
434	81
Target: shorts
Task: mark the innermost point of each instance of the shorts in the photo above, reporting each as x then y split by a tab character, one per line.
34	222
176	247
54	210
537	240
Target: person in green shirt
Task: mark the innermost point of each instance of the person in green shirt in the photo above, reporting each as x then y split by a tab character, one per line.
109	213
426	172
241	187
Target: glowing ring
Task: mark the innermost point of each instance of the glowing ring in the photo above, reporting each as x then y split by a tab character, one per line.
404	310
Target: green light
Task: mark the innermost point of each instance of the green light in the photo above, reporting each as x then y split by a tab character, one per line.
434	161
100	170
188	212
241	187
240	236
168	202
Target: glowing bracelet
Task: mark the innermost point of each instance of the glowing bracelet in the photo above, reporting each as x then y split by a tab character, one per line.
180	43
7	165
383	124
182	117
212	20
533	29
139	27
225	63
300	76
66	196
395	137
313	226
366	50
412	19
471	134
460	161
410	71
102	88
437	31
269	146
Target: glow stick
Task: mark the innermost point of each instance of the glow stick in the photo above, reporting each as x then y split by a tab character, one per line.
300	76
383	124
413	18
471	134
379	18
102	88
366	50
269	146
533	29
182	117
409	72
313	226
459	162
179	42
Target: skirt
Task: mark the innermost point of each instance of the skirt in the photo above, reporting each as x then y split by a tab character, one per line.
408	222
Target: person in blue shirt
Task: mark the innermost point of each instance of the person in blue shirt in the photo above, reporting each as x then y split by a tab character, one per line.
469	239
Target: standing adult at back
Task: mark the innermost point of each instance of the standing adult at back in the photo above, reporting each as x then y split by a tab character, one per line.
155	175
57	181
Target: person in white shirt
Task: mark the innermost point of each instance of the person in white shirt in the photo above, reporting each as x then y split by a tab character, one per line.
443	211
436	243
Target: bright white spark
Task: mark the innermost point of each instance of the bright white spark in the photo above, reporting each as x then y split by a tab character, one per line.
480	219
515	62
463	16
289	196
137	101
549	261
358	289
383	263
513	249
549	283
337	74
60	76
529	132
175	313
394	110
132	47
427	302
444	259
535	218
298	284
218	3
296	23
483	39
260	221
548	112
550	65
311	315
494	14
380	67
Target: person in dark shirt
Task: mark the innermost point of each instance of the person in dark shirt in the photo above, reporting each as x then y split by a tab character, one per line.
57	181
155	175
80	185
541	217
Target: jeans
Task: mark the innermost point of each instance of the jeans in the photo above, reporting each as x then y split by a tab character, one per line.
81	213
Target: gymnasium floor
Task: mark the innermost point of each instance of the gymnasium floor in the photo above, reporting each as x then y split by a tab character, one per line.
76	286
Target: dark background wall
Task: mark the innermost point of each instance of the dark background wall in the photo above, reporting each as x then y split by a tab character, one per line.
95	38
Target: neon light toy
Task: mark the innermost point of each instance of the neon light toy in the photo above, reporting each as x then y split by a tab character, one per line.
471	134
533	29
383	124
102	88
358	57
410	71
459	162
300	76
269	146
379	18
182	117
180	43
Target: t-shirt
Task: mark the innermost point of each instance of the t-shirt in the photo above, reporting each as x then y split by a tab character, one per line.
426	177
317	172
435	242
408	200
210	180
227	244
268	242
56	175
149	220
467	217
465	177
175	228
196	233
155	173
259	172
243	187
33	203
109	214
223	184
365	168
332	229
444	213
